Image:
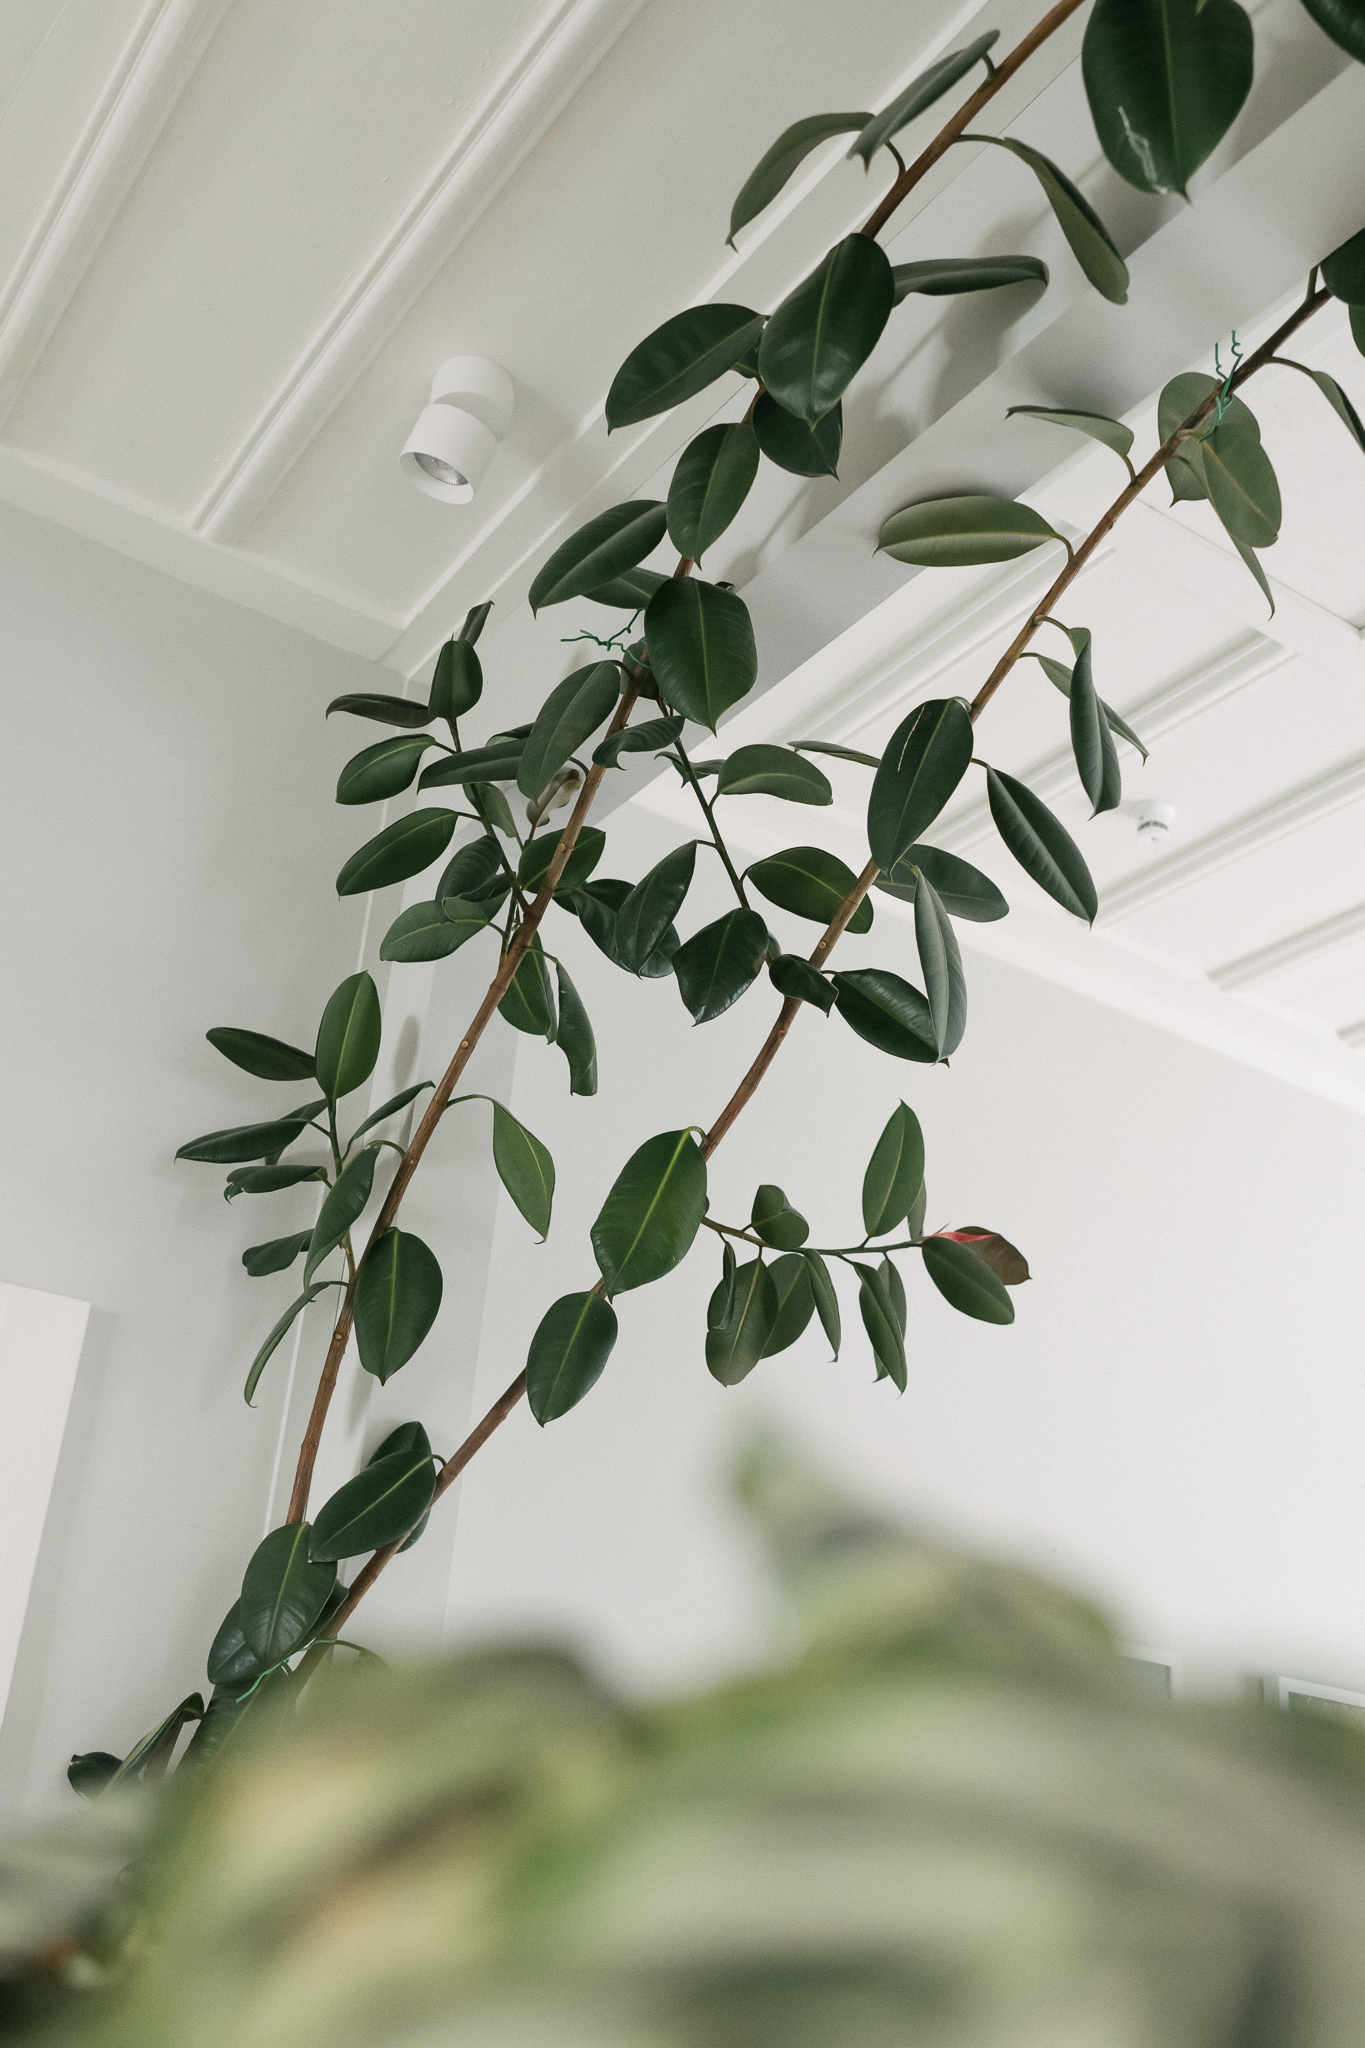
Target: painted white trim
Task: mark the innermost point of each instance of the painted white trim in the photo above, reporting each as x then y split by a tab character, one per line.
40	1348
1287	952
1307	1688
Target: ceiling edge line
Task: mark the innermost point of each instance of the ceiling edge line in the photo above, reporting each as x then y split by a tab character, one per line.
1304	944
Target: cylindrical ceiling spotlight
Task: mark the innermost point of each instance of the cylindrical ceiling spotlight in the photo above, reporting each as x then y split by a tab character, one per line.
456	436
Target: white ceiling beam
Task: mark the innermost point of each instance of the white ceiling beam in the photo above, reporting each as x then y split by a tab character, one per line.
1288	952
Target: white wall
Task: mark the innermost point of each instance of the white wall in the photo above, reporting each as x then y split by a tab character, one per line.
1174	1420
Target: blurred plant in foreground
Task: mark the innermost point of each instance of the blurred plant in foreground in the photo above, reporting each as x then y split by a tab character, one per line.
953	1819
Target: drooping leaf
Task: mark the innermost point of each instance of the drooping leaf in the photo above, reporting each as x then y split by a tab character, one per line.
926	758
921	92
348	1036
1041	844
383	710
678	360
1241	483
432	931
914	1222
602	548
1343	21
636	739
246	1141
717	964
381	1504
960	533
1336	398
941	276
397	1298
1059	675
722	1300
838	753
1092	743
713	478
651	906
630	591
476	873
267	1180
400	851
735	1343
261	1260
894	1289
1165	79
525	1169
761	770
269	1059
962	889
810	883
390	1108
887	1012
882	1324
575	1036
1343	272
800	449
529	1003
798	982
283	1593
795	1302
493	807
787	154
701	647
457	681
342	1204
231	1660
653	1212
596	906
1248	555
382	770
1004	1259
775	1220
825	1298
539	852
148	1758
945	984
411	1437
823	332
570	714
1090	241
895	1173
1097	425
965	1281
474	767
572	1343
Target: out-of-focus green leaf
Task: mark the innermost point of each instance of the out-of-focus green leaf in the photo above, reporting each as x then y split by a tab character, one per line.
965	1281
569	1350
895	1173
701	647
1041	844
1165	79
800	449
1343	272
823	332
382	1503
653	1212
712	479
959	533
400	851
605	547
887	1012
810	883
269	1059
397	1299
787	154
762	770
921	92
1344	22
570	715
926	758
678	360
348	1037
717	964
283	1593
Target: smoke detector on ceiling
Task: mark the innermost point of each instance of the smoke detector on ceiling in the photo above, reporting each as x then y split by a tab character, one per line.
1154	822
457	434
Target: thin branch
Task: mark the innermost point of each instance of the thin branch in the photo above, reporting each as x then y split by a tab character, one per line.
716	840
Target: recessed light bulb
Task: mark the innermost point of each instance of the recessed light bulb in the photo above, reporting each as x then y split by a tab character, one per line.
444	472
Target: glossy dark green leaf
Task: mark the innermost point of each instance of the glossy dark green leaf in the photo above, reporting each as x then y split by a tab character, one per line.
384	769
381	1504
882	1324
245	1141
1343	21
1005	1260
261	1260
456	681
409	1436
945	984
493	808
795	1302
1090	241
787	154
267	1180
612	542
231	1660
722	1301
283	1593
942	275
678	360
636	739
797	981
761	770
1059	675
921	93
1165	79
717	964
775	1220
497	762
342	1204
1092	743
596	905
810	883
926	758
701	647
966	1282
651	906
838	753
575	1036
572	1343
529	1003
475	873
397	1298
1336	398
799	449
1358	328
432	931
538	853
1248	555
653	1212
887	1012
914	1222
895	1173
1041	844
712	479
383	710
1097	425
400	851
525	1169
390	1108
1343	272
1240	480
630	591
962	889
91	1772
960	533
894	1289
1184	395
269	1059
825	1299
735	1343
570	715
348	1036
231	1718
823	332
148	1758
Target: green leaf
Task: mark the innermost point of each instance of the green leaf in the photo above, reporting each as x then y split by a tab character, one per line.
269	1059
914	1222
575	1037
718	963
810	883
432	931
701	647
921	93
283	1593
231	1660
401	850
1241	482
596	906
529	1003
773	771
1165	79
267	1180
1059	675
383	769
839	753
390	1108
637	739
475	873
678	360
1005	1260
1249	557
881	1323
826	1300
651	906
823	332
456	680
799	449
492	806
348	1036
653	1212
1041	844
887	1012
736	1341
148	1758
797	981
261	1260
942	275
245	1141
1343	21
776	1222
1112	433
1090	241
945	985
713	478
538	853
928	755
570	714
965	1281
777	164
342	1204
606	546
960	533
1343	272
631	591
525	1169
383	710
499	761
962	889
1185	394
895	1173
572	1343
381	1504
397	1298
409	1436
1358	327
1335	396
1092	743
795	1302
722	1301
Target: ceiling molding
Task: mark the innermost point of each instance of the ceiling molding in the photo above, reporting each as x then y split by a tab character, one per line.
567	45
142	92
1287	952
